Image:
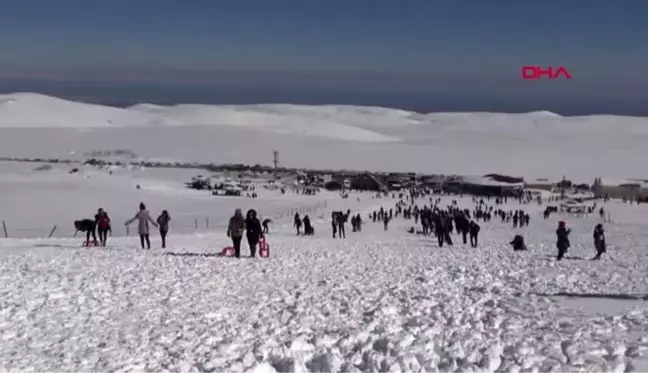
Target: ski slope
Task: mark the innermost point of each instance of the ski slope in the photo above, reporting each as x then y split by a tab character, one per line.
545	144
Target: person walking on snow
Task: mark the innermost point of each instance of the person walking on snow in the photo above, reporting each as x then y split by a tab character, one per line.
298	223
143	219
235	230
163	222
562	243
103	226
254	232
474	229
599	241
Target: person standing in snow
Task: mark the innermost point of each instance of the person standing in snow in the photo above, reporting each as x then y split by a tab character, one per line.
334	223
103	226
297	223
599	241
254	232
235	230
562	243
143	219
163	223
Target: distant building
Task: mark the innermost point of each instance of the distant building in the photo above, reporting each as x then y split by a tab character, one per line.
489	185
631	189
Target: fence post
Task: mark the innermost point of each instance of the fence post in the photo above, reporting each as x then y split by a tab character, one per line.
52	232
207	222
4	227
196	222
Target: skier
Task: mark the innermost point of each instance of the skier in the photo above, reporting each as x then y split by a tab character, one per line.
103	226
143	217
163	223
334	222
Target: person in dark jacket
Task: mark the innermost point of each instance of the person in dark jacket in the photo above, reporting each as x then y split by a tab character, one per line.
163	223
266	227
254	231
474	229
297	223
88	226
308	228
235	230
562	243
518	243
599	241
334	223
102	222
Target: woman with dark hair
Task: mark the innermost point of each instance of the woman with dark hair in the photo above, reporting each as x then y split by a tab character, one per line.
144	218
235	230
254	231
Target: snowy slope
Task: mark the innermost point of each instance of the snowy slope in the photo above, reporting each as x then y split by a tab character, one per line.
377	301
23	110
533	145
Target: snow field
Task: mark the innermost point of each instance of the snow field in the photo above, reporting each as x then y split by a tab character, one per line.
33	125
32	202
377	301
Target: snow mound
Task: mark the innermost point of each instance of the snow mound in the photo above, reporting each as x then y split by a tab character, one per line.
283	118
25	110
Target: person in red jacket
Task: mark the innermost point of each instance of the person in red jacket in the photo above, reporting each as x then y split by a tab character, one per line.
102	222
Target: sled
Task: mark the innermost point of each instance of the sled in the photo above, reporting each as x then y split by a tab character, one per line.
264	248
227	251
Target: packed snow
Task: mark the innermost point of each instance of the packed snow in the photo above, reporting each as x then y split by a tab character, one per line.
379	300
376	301
609	146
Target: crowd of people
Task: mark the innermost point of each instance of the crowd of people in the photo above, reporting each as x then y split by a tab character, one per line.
432	218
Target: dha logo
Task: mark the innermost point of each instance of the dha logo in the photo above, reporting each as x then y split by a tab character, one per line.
537	72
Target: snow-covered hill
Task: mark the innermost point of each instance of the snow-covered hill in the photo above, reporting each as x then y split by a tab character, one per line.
537	144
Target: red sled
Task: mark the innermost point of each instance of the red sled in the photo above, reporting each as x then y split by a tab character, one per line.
264	248
228	251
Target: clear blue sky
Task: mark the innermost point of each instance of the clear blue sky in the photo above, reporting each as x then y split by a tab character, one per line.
471	46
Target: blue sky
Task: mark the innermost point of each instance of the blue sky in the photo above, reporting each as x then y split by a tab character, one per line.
467	46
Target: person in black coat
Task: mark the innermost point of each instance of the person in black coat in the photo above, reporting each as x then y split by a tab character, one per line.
89	226
474	229
562	234
599	241
254	231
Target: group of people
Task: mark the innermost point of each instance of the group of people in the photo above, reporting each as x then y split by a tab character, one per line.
102	225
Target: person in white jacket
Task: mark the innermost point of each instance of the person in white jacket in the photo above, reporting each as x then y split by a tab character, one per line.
143	217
